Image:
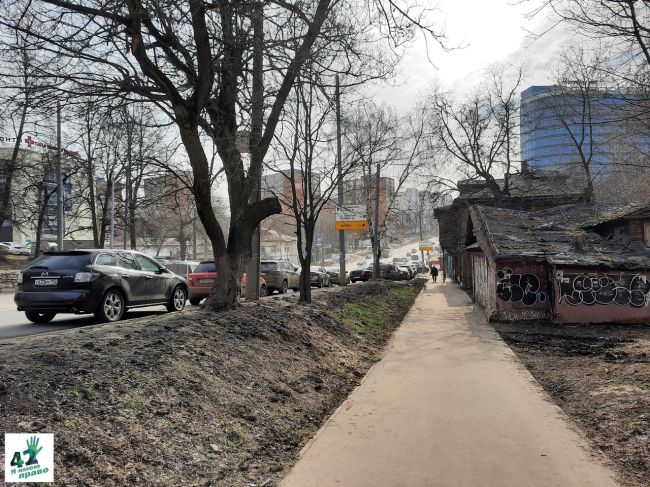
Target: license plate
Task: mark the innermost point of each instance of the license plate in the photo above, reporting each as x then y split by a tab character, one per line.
206	281
46	282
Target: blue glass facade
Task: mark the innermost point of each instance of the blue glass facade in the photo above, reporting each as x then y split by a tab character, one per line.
554	122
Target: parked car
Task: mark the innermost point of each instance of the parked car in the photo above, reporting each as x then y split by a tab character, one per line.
45	246
405	272
180	267
103	282
242	287
280	275
390	271
361	274
16	248
201	281
319	277
333	272
408	270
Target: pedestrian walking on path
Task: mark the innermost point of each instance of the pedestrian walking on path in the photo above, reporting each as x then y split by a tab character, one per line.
449	405
434	273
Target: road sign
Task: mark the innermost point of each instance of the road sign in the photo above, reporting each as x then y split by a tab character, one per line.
351	217
426	246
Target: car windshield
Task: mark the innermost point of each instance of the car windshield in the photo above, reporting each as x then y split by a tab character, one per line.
268	266
73	260
314	269
206	267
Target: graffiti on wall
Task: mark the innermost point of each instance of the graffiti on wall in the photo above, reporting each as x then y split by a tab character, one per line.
520	314
522	288
589	289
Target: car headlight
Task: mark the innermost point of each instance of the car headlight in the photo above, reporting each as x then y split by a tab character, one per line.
20	278
85	276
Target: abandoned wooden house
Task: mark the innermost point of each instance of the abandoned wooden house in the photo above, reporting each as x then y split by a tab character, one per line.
581	263
528	191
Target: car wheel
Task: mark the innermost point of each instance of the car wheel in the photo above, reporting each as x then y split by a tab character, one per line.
111	307
195	301
263	292
37	317
284	288
177	301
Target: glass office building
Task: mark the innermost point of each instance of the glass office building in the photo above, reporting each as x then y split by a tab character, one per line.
557	121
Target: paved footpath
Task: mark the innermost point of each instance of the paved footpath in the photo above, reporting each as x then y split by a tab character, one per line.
448	405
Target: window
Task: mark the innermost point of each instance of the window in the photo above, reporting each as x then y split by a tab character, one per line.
646	233
146	264
126	260
106	259
60	261
206	267
268	266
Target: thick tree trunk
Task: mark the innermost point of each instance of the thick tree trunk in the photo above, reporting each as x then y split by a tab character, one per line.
230	258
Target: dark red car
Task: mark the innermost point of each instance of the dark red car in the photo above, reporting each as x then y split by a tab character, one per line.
200	282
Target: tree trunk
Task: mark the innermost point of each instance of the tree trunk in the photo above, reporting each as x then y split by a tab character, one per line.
183	245
39	223
245	216
132	226
11	168
305	282
305	262
91	201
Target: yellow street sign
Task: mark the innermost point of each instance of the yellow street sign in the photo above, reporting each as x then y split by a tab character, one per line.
352	225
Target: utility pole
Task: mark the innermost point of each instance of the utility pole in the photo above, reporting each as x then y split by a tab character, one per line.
376	270
60	216
342	280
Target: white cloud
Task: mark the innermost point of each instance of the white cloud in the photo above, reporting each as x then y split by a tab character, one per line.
490	31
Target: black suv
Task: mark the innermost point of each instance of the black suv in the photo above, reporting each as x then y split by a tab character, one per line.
103	282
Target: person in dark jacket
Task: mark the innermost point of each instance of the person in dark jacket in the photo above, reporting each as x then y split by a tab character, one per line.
434	273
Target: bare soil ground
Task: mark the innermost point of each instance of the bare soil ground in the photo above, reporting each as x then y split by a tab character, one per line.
600	376
198	398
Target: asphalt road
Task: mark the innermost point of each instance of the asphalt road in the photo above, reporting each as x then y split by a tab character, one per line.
14	324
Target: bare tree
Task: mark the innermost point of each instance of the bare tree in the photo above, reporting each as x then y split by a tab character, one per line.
306	146
578	104
479	136
21	93
381	142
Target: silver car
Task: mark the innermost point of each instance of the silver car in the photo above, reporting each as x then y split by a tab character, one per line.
280	275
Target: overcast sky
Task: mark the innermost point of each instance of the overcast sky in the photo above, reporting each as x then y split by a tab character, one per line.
486	31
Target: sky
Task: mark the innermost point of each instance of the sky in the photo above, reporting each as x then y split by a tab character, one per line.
485	32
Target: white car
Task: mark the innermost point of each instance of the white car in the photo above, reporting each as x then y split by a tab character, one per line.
15	249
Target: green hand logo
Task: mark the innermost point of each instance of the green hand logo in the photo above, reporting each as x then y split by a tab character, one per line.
32	450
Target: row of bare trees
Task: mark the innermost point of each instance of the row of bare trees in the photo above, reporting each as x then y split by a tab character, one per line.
216	70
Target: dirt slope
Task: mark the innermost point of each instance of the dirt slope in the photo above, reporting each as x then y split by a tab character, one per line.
600	376
196	398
